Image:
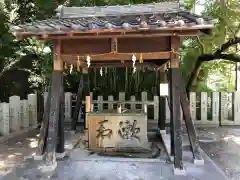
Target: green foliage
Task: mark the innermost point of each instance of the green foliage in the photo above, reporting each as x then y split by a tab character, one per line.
228	26
26	65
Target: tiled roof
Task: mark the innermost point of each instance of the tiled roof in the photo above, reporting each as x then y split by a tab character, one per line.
128	17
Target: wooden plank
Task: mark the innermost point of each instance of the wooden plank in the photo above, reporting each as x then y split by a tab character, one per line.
162	103
215	107
68	107
60	134
188	120
53	118
57	60
204	99
44	126
115	34
158	56
86	94
143	45
78	106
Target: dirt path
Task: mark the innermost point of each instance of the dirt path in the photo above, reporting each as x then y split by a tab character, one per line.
14	151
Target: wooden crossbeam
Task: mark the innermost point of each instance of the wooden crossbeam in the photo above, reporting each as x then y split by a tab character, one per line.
72	58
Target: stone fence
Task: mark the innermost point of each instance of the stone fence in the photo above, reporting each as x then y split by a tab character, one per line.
18	114
207	109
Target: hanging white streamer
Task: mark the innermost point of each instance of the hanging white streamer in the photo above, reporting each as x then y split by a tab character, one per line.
71	69
88	61
101	71
134	61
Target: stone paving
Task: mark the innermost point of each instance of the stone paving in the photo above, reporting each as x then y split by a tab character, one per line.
222	145
17	151
14	151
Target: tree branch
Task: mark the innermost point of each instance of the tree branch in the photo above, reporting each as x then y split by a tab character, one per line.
9	67
218	54
228	44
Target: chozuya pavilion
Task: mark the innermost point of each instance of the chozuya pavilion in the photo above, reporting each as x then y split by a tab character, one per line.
117	36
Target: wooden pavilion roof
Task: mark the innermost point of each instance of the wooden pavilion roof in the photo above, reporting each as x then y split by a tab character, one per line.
81	21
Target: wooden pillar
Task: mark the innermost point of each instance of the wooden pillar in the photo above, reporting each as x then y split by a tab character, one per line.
78	107
44	128
86	94
162	103
60	135
176	129
54	112
189	122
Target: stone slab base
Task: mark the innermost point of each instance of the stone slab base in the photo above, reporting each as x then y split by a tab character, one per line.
72	132
163	131
48	168
198	162
61	155
38	157
179	172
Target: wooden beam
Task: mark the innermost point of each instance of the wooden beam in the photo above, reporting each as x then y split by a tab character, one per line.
188	121
162	101
176	127
72	58
175	45
114	45
44	126
176	124
78	106
50	159
57	62
86	92
115	33
60	137
119	64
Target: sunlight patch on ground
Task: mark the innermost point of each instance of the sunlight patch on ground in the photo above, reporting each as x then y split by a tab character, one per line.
233	138
2	164
33	144
11	156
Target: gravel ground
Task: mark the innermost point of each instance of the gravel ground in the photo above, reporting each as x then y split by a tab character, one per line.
222	145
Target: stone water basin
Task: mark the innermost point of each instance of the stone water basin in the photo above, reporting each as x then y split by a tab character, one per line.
110	130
